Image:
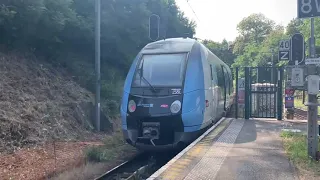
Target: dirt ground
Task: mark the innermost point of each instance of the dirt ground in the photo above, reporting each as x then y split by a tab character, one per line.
43	161
40	103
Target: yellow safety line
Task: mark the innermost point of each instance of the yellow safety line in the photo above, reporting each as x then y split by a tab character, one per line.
175	171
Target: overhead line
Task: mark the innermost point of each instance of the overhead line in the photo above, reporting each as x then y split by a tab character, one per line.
192	10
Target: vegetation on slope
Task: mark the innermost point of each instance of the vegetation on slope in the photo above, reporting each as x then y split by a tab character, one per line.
38	102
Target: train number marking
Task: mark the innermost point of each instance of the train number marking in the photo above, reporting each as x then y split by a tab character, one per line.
176	91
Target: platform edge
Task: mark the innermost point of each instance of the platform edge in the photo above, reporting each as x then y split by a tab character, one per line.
178	156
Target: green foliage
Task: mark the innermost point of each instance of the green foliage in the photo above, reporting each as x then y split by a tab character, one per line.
259	36
221	50
63	32
255	27
257	43
114	147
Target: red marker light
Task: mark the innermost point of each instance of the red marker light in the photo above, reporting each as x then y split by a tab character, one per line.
164	106
132	106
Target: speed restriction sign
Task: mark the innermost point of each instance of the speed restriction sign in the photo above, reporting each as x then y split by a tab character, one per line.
284	45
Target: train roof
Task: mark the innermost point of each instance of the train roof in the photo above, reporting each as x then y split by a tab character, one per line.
174	45
171	45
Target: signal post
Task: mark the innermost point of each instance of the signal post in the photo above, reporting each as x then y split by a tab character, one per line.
311	9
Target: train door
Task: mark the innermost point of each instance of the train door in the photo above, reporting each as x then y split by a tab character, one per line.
215	97
224	88
207	86
227	87
220	89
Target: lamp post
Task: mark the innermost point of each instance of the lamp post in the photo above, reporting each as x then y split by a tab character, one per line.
97	61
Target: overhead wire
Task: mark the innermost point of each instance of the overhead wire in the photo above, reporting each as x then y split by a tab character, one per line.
195	14
193	10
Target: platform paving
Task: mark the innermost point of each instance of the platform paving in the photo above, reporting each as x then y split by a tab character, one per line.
244	150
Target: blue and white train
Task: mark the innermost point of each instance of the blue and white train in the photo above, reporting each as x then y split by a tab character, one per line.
175	89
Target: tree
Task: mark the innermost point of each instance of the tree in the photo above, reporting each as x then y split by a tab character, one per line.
221	50
294	26
63	32
258	37
255	27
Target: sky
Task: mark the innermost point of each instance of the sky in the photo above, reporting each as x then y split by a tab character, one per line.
218	19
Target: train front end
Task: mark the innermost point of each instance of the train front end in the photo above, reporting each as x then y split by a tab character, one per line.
153	98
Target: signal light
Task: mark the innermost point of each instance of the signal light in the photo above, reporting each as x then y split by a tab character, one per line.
297	48
154	27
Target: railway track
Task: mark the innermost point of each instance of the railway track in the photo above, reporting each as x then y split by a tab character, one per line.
302	114
139	167
143	165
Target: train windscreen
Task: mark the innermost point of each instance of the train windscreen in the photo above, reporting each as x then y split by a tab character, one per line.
161	70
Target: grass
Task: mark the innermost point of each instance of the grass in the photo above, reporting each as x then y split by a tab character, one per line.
100	158
295	145
87	171
113	148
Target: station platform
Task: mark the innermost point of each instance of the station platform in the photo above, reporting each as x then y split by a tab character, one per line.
233	149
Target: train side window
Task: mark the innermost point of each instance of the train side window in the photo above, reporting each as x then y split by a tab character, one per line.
214	76
228	81
231	83
220	76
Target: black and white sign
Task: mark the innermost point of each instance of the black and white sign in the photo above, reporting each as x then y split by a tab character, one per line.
308	8
241	83
297	77
313	84
284	55
176	91
284	45
313	61
284	50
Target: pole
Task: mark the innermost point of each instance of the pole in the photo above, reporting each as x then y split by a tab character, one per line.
97	62
280	93
247	94
312	40
237	91
312	108
272	70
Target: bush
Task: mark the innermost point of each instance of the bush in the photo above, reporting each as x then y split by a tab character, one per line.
114	147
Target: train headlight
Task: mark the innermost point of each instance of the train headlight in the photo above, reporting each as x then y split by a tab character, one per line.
175	106
132	106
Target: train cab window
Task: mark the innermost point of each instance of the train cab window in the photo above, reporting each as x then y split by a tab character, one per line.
161	70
